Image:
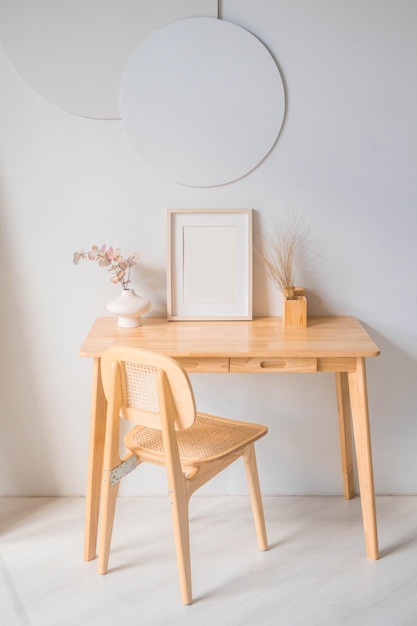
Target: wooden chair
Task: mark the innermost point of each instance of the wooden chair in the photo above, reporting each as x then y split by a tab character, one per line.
154	392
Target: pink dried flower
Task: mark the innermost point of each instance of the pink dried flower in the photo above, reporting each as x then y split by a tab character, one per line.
111	258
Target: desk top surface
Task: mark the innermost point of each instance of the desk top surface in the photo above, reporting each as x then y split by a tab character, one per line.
260	337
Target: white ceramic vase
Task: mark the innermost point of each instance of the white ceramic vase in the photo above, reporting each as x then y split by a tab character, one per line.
129	307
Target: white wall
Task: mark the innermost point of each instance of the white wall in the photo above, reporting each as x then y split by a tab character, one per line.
346	159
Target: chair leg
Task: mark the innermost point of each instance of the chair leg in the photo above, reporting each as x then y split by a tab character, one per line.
251	468
180	519
106	526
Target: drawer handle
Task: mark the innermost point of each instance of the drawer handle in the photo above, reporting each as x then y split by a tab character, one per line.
192	364
273	365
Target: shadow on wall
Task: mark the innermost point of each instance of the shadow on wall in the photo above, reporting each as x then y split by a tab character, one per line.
24	456
393	412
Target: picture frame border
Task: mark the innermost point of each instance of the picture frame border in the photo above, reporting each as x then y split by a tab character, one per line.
177	308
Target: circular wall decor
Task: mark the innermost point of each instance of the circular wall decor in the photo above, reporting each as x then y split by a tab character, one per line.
74	53
202	101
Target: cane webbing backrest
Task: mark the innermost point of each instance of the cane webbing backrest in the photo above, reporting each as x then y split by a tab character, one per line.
139	372
141	387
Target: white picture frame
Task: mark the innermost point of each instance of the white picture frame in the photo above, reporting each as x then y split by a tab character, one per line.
209	269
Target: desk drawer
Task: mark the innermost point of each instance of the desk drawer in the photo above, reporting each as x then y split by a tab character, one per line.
271	364
202	365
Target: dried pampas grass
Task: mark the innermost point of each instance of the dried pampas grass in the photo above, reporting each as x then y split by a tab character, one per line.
282	251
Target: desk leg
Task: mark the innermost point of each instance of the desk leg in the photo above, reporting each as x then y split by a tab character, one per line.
361	431
345	431
95	463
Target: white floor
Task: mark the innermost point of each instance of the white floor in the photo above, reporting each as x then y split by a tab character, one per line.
315	572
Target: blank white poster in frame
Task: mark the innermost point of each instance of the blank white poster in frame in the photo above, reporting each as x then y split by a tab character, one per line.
209	272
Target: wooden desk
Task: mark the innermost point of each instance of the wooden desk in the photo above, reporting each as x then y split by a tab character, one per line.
328	344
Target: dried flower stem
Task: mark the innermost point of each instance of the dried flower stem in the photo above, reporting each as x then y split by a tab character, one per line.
281	251
111	258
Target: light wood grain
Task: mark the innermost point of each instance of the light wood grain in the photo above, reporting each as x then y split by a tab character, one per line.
264	337
95	462
295	312
343	405
261	364
361	431
154	392
263	345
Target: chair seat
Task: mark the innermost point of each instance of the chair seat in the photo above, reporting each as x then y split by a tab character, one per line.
209	438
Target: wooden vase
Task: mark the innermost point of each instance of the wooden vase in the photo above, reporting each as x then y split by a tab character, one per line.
294	309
